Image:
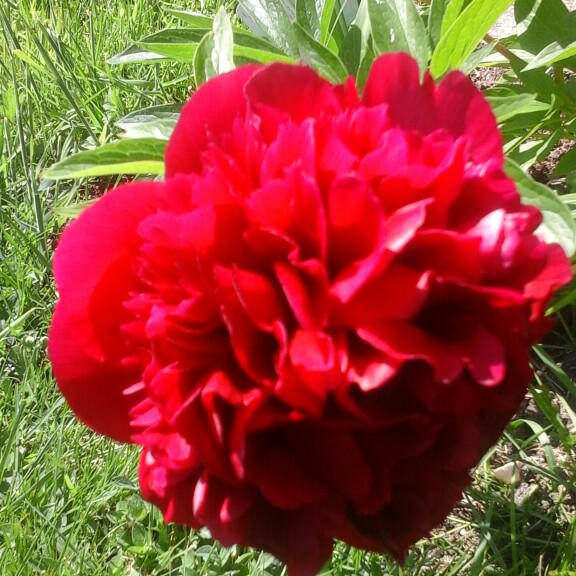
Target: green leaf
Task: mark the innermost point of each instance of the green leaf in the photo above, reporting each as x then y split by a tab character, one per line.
222	52
567	164
195	19
326	17
352	50
319	56
462	37
476	58
552	53
540	23
308	16
269	18
397	27
151	114
364	68
132	156
153	122
452	10
533	149
558	225
203	65
506	107
136	55
181	44
72	210
257	53
435	18
177	43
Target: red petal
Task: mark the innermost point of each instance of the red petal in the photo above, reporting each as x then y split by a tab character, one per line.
211	110
455	105
94	277
281	92
463	111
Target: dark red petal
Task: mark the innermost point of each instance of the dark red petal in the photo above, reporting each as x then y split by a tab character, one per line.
281	479
93	273
211	110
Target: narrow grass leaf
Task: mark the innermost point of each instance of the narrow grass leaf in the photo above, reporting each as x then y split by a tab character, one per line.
542	436
397	27
557	371
131	156
543	400
558	225
463	35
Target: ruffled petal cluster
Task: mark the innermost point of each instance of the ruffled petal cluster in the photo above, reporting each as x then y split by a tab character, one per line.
321	320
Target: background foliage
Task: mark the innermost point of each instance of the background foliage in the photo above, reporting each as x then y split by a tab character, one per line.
89	94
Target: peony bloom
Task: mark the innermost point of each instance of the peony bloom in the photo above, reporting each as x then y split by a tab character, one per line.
321	320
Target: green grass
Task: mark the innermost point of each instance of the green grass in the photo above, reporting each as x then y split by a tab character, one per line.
69	502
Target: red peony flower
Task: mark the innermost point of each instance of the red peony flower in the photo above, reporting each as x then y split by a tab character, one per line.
321	319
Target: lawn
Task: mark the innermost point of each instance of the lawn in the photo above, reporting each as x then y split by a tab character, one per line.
69	499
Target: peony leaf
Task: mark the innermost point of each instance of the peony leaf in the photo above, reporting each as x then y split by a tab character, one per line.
247	47
203	65
195	19
308	16
543	28
476	58
505	107
566	164
436	17
130	156
526	151
270	18
177	43
181	44
397	27
352	49
320	57
462	37
222	51
136	55
153	122
552	53
558	225
450	13
326	16
243	54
